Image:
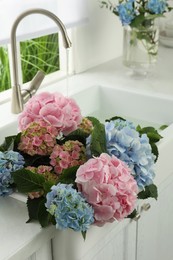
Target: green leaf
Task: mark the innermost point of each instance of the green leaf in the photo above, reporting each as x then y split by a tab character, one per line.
10	143
138	128
149	192
44	216
153	137
36	160
98	140
94	120
33	207
145	129
155	150
78	134
37	211
28	181
68	175
170	8
83	234
137	22
47	186
133	214
153	16
162	127
115	118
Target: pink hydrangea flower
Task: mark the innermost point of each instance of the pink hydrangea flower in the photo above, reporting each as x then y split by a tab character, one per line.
71	153
41	169
109	187
55	109
38	138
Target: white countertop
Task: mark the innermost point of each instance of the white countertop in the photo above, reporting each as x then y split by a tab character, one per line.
114	73
19	240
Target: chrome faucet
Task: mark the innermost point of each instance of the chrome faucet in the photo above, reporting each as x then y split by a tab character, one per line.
19	98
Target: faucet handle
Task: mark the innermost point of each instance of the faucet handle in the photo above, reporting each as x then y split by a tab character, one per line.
33	86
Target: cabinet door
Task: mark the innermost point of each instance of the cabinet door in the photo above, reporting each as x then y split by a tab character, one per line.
155	227
44	253
112	241
121	246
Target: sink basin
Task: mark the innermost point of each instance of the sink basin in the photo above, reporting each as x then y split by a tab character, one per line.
106	102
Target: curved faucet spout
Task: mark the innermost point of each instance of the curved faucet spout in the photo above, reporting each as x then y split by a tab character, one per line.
19	99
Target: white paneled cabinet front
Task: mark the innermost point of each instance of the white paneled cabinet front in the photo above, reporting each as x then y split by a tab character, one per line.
112	241
155	228
44	253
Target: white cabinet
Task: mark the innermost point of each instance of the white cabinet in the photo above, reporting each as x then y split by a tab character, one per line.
43	253
148	238
112	241
155	228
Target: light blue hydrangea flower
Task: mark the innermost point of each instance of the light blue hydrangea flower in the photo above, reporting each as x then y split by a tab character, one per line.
157	6
69	208
126	12
9	161
124	142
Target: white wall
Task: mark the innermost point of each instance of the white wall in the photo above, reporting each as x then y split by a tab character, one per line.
98	41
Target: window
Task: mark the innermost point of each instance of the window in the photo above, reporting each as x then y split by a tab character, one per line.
39	54
38	37
36	54
5	82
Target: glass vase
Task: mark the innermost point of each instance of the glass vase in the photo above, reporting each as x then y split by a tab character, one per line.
140	48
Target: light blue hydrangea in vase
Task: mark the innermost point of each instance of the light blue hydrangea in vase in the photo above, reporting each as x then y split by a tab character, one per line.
141	30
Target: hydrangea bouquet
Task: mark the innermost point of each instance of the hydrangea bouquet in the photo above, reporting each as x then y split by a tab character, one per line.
77	171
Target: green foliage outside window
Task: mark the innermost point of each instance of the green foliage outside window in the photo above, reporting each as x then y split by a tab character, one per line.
38	54
5	81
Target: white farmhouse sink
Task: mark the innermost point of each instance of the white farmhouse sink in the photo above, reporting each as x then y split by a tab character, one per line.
104	102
